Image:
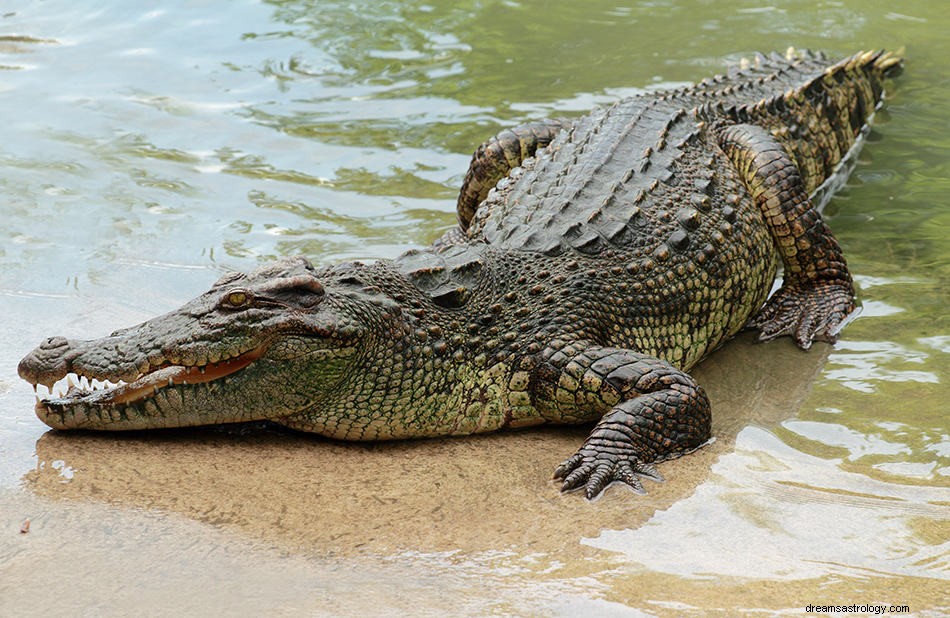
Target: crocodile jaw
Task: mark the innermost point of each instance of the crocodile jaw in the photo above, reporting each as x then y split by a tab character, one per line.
93	399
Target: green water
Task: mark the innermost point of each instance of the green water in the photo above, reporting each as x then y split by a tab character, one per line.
147	147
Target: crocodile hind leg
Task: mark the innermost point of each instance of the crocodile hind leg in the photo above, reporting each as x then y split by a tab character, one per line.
817	293
499	155
649	411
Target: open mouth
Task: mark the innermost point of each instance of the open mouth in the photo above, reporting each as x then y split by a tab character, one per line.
76	386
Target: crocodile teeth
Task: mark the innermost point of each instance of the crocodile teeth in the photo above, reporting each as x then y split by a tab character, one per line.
75	385
94	390
60	387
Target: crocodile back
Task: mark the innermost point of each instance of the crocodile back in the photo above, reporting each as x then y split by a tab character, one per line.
614	179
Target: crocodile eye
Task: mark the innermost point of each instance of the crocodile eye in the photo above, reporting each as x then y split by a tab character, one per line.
236	299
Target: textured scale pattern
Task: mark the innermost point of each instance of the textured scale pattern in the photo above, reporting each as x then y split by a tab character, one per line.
596	261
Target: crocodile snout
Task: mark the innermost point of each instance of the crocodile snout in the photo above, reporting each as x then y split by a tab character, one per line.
47	363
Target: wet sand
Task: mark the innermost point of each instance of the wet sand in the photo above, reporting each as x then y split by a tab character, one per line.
475	494
248	520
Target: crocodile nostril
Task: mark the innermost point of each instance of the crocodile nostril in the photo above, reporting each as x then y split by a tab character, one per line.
54	342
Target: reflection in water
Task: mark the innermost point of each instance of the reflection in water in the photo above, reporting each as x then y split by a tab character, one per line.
862	364
815	519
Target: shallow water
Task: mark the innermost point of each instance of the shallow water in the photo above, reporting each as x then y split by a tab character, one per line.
143	151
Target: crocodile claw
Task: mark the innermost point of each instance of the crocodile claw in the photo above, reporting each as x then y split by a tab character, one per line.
596	469
806	312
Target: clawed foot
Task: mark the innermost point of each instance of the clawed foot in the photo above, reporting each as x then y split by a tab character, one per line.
807	312
594	469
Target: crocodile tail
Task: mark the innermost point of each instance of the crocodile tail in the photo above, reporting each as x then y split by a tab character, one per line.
819	121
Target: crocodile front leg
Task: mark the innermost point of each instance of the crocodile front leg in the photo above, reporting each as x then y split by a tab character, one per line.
650	410
496	157
817	293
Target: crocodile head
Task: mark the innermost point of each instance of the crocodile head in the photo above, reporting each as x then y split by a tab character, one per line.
255	346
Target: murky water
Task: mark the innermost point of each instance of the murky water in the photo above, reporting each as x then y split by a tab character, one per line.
144	150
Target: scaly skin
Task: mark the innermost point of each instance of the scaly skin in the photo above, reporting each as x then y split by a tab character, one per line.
597	260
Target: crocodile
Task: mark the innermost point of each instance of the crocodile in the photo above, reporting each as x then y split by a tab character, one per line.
596	261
